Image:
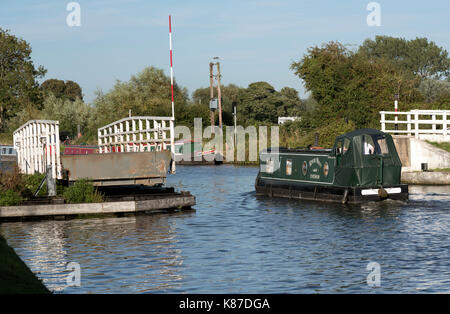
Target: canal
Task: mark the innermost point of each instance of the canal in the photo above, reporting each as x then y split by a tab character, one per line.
237	242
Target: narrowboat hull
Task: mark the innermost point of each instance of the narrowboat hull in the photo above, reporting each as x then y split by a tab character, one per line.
326	193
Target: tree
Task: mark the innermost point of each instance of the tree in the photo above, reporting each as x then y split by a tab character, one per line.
292	104
259	102
419	56
433	90
18	77
69	113
349	85
230	93
147	93
65	90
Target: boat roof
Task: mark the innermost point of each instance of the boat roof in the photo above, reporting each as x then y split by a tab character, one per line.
359	132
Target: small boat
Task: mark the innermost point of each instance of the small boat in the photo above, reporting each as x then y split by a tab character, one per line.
362	166
188	152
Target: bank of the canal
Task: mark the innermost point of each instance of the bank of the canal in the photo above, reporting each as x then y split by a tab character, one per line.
15	276
426	178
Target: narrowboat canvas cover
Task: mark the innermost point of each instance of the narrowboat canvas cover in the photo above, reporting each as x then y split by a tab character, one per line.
357	168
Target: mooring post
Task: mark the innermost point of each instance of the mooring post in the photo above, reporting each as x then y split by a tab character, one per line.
51	182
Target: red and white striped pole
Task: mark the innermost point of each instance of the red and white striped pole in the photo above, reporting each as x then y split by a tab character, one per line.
171	65
396	109
172	121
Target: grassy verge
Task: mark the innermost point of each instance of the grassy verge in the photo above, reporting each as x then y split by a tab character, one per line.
15	276
444	145
440	170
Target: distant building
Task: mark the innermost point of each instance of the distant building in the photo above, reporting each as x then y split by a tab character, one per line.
7	150
8	158
282	120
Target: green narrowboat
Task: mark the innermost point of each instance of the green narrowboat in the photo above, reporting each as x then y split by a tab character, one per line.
363	165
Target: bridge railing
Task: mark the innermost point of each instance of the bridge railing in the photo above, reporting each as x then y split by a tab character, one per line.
416	122
137	134
37	146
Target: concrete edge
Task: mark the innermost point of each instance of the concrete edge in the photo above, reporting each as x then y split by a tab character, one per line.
97	208
426	178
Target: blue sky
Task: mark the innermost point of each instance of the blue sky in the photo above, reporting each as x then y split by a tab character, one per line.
256	40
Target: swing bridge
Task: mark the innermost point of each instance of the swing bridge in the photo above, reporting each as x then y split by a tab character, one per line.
131	151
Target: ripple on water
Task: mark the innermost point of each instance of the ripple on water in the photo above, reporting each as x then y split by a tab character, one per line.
237	242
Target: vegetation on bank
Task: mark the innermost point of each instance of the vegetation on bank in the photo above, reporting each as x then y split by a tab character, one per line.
15	276
16	188
444	145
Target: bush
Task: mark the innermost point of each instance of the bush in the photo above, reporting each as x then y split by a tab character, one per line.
82	191
31	183
10	198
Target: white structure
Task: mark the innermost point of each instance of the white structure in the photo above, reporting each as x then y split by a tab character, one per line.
282	120
433	125
37	146
137	134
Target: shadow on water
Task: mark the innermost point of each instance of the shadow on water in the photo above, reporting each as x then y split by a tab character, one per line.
134	254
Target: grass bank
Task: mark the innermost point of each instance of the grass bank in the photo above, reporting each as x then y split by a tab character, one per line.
15	276
444	145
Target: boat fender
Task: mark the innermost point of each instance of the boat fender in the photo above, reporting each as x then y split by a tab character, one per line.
382	193
345	198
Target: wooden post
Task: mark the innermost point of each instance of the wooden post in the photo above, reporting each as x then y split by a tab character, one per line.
211	91
219	95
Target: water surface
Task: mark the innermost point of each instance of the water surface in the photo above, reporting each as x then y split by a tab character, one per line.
237	242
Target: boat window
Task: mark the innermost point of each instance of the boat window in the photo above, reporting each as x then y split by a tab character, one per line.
369	147
288	167
339	147
383	146
346	146
269	166
3	151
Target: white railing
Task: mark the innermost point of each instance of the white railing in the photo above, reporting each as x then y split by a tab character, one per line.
416	122
37	146
137	134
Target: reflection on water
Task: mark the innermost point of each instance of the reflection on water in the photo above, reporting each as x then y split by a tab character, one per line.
110	252
237	242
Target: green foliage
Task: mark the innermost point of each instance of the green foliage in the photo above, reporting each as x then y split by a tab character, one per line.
434	90
9	198
11	187
296	135
31	183
69	113
230	93
82	191
349	85
419	57
18	85
65	90
261	102
443	145
146	94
